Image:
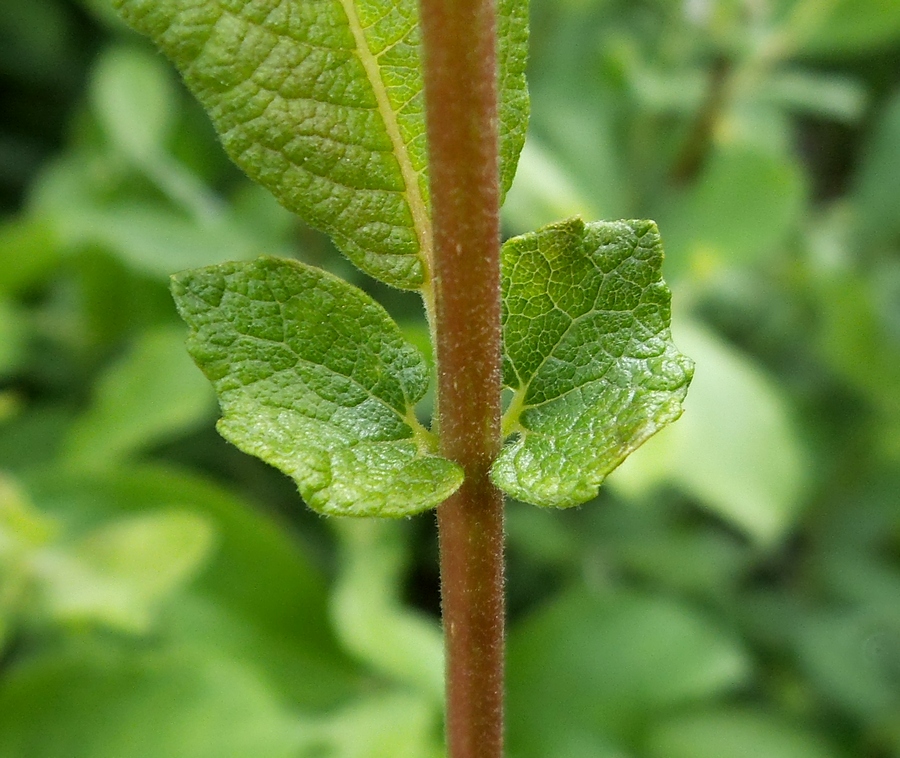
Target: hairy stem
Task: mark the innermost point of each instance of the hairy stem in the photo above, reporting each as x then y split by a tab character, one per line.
461	113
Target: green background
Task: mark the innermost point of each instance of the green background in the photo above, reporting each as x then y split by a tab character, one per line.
733	591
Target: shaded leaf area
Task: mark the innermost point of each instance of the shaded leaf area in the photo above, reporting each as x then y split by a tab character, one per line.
322	103
369	616
221	709
588	354
315	378
65	706
741	209
255	596
115	574
243	652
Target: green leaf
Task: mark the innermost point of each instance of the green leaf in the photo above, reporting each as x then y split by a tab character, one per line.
588	354
21	524
845	27
119	574
322	103
259	599
151	394
742	208
601	665
736	734
387	725
544	191
852	656
736	450
315	378
142	706
14	334
137	103
841	98
876	190
28	251
135	100
369	616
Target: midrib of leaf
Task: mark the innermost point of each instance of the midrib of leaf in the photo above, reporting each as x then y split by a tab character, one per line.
509	424
518	405
413	193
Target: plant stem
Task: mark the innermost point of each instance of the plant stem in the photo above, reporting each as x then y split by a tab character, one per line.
461	113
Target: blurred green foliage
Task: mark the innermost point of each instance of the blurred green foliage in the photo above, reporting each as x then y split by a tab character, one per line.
735	589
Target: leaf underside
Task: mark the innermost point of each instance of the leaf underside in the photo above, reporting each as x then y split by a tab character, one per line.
588	354
315	378
321	102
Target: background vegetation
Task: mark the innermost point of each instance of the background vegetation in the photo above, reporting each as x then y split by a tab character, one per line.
734	592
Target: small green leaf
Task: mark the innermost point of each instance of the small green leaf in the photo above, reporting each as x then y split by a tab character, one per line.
369	616
134	98
120	573
588	354
153	393
322	103
315	378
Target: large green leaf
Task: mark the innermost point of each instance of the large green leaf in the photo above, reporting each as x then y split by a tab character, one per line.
315	378
588	354
142	706
599	666
737	450
151	394
259	599
322	103
735	734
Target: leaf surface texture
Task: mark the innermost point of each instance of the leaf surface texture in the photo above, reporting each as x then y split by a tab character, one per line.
588	354
321	102
314	378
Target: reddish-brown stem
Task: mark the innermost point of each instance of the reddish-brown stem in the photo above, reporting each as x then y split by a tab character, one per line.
461	107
